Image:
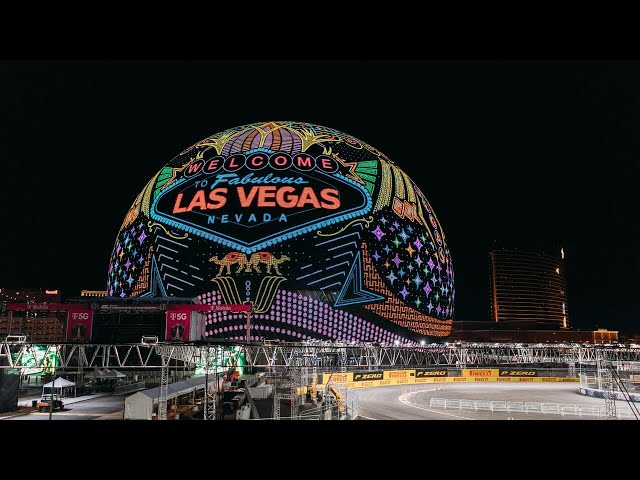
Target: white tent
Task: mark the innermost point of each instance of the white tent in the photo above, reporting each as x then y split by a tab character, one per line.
58	386
113	374
95	374
139	406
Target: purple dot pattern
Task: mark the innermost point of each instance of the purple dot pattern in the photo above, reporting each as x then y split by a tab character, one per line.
294	317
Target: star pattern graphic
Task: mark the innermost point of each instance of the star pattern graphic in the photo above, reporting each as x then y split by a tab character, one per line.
410	263
378	233
127	259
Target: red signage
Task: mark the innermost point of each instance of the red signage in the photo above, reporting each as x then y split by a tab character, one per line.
178	325
51	307
232	308
246	307
79	323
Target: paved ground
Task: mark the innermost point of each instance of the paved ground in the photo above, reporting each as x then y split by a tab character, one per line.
26	401
104	407
386	403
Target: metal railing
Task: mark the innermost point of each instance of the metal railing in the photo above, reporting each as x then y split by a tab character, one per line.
300	417
130	387
529	407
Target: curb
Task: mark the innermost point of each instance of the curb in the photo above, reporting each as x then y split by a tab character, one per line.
19	414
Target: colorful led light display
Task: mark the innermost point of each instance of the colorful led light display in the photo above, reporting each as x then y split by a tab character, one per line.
322	233
40	359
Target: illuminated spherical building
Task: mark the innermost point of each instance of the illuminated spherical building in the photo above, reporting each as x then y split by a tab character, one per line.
322	233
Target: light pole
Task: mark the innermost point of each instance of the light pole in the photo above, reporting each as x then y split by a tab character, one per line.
53	389
206	385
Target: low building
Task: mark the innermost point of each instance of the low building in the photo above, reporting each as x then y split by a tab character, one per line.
93	293
490	332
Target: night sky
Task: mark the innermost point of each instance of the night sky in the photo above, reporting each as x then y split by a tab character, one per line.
520	153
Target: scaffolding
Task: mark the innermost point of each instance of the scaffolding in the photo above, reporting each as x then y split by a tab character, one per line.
164	387
606	384
209	398
319	356
612	386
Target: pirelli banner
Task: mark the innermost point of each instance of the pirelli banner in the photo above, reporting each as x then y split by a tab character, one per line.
432	373
515	372
480	372
398	377
382	378
337	377
368	376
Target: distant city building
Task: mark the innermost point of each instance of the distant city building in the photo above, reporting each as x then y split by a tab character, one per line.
490	332
27	295
528	289
93	293
602	335
37	325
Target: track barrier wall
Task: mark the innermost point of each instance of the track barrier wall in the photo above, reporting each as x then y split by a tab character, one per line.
380	378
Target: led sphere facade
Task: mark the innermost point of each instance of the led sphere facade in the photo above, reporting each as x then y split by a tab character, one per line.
323	234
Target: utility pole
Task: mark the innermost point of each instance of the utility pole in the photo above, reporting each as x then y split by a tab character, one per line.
53	389
206	384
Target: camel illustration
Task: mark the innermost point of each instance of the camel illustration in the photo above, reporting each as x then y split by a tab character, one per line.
270	261
252	263
248	264
228	260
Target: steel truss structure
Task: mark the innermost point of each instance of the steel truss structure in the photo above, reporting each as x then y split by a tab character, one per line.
317	356
606	383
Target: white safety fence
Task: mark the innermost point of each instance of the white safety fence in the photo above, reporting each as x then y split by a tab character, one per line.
529	407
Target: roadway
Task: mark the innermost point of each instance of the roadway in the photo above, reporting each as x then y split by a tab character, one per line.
412	402
101	408
390	403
